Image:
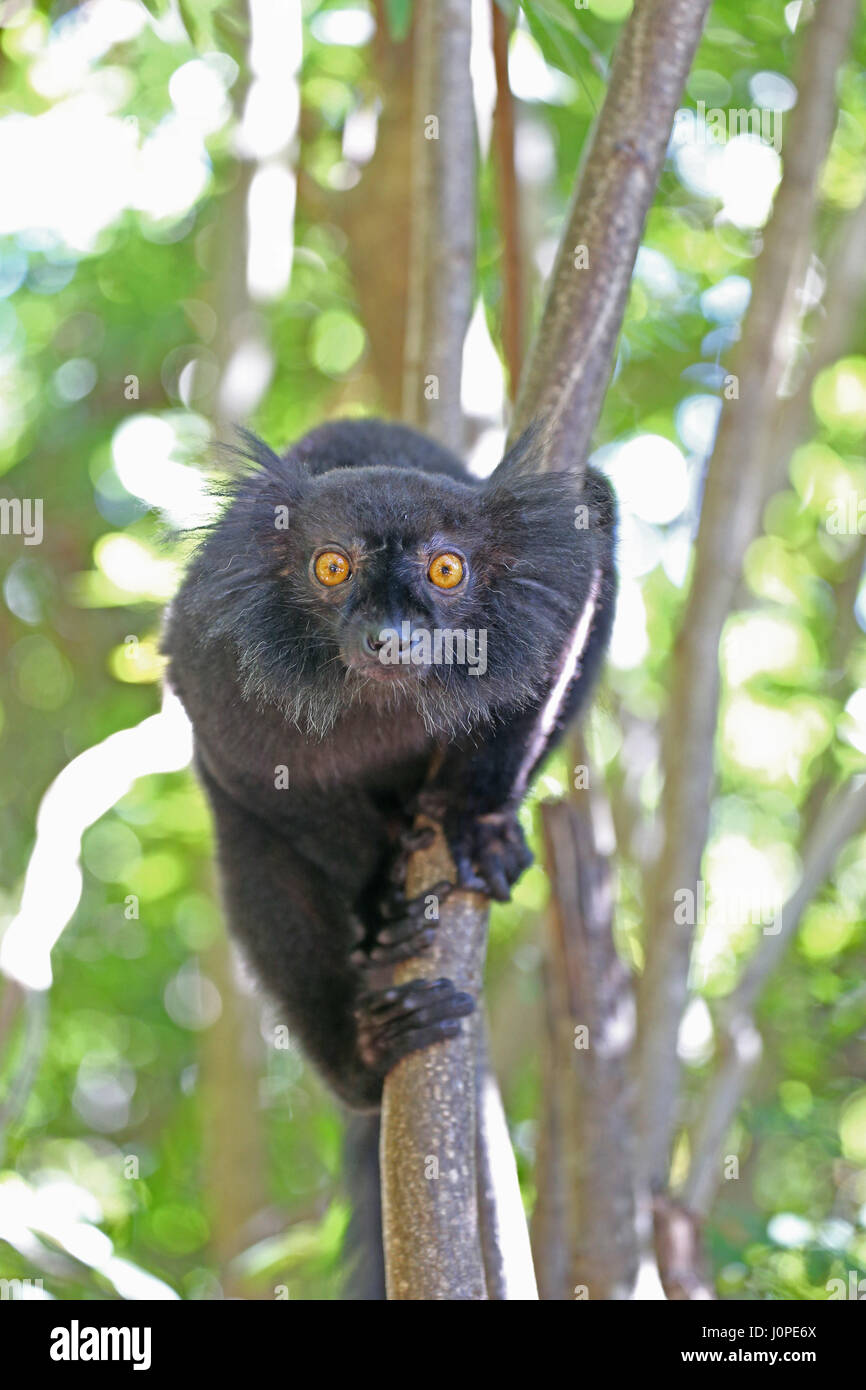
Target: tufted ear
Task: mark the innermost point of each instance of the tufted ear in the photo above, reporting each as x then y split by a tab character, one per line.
261	497
518	462
515	490
277	475
515	478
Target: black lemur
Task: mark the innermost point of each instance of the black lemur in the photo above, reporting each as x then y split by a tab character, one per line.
303	644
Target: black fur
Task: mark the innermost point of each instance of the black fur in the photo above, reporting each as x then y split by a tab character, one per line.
274	672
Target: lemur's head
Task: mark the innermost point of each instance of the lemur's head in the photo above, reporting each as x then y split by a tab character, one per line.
390	584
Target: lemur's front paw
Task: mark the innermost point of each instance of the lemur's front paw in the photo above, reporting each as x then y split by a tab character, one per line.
405	1018
404	927
490	852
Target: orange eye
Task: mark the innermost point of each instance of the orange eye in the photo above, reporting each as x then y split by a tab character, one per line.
332	568
446	570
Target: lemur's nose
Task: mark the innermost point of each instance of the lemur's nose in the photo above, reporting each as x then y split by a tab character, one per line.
372	641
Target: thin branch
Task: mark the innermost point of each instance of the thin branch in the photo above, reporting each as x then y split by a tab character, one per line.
442	242
513	286
734	492
839	319
572	354
567	373
843	817
740	1046
739	1043
505	1245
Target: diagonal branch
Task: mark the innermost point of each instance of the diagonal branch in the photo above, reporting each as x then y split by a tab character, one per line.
740	1044
839	318
731	509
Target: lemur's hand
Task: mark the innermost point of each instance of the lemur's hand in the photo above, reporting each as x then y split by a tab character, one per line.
489	848
490	851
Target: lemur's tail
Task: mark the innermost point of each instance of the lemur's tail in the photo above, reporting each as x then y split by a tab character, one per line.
363	1251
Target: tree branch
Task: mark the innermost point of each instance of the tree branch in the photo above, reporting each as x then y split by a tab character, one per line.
572	354
429	1187
839	317
734	492
843	817
513	286
592	992
442	241
505	1245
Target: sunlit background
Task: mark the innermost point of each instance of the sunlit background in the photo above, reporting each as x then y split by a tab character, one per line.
185	238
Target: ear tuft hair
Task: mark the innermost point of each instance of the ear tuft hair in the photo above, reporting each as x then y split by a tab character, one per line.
518	462
255	450
263	472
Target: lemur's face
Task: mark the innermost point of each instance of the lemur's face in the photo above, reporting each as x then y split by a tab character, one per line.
399	589
386	585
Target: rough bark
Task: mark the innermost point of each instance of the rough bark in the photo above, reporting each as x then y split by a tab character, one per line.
593	1014
735	488
429	1193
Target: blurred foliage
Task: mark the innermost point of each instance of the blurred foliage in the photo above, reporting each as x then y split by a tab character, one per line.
106	1170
